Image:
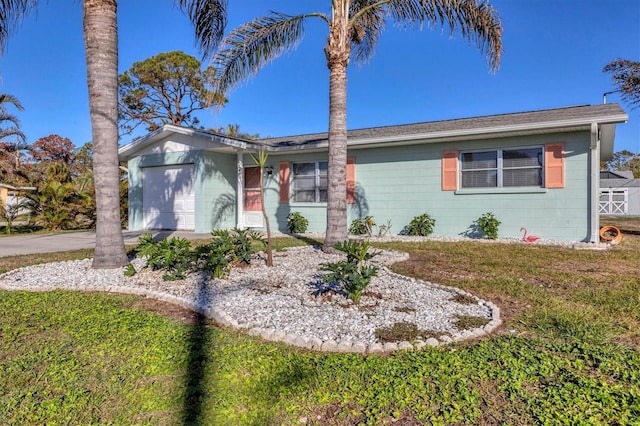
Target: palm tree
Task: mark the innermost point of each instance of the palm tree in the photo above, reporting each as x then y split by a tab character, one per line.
354	27
17	140
101	50
625	74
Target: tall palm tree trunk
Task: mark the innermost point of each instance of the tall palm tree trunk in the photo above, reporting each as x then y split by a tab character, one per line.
101	48
337	52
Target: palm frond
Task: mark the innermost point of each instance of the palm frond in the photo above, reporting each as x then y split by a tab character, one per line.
11	13
21	139
209	18
625	74
10	99
251	46
475	20
367	22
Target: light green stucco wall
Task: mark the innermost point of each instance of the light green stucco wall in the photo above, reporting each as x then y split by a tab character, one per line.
397	184
402	182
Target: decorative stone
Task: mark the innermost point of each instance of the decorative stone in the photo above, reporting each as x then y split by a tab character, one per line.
219	318
495	323
403	346
290	339
478	332
278	336
445	339
466	334
267	302
344	346
375	348
329	346
267	334
302	342
255	331
432	342
315	343
359	347
390	346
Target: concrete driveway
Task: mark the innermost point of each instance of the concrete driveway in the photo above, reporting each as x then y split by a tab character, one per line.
48	243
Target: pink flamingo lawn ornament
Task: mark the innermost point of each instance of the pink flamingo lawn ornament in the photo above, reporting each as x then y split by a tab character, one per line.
528	238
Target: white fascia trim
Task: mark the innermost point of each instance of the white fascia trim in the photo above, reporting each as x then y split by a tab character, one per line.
149	138
514	128
477	133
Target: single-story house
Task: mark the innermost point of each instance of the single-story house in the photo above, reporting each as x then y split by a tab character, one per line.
11	195
619	193
537	169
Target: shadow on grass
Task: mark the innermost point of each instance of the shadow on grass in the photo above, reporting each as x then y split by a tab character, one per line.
310	241
196	377
288	373
196	382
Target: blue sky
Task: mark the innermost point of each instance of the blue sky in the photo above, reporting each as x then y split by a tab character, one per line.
554	52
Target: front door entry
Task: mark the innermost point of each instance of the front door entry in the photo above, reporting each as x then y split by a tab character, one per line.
252	199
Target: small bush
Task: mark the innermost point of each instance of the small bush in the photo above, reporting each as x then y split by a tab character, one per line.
173	255
353	275
297	223
227	248
366	225
362	226
489	225
129	270
421	225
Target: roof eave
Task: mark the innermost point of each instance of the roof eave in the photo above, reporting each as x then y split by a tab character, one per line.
127	151
488	132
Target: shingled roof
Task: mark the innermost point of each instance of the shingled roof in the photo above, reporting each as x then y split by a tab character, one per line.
568	117
522	123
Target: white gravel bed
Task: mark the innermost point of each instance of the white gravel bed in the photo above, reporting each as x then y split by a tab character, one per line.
287	302
578	245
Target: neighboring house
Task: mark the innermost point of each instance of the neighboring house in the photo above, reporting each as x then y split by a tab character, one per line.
536	169
619	193
11	195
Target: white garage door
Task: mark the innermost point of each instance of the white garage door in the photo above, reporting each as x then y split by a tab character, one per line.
168	200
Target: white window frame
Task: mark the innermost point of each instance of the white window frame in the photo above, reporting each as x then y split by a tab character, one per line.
317	187
500	167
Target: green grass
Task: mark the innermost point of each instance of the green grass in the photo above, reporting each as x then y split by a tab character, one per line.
568	353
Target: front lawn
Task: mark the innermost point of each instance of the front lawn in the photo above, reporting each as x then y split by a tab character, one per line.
568	353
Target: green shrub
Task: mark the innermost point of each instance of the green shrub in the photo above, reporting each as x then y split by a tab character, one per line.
228	247
239	241
173	255
489	225
353	275
362	226
421	225
366	225
297	223
213	258
129	270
